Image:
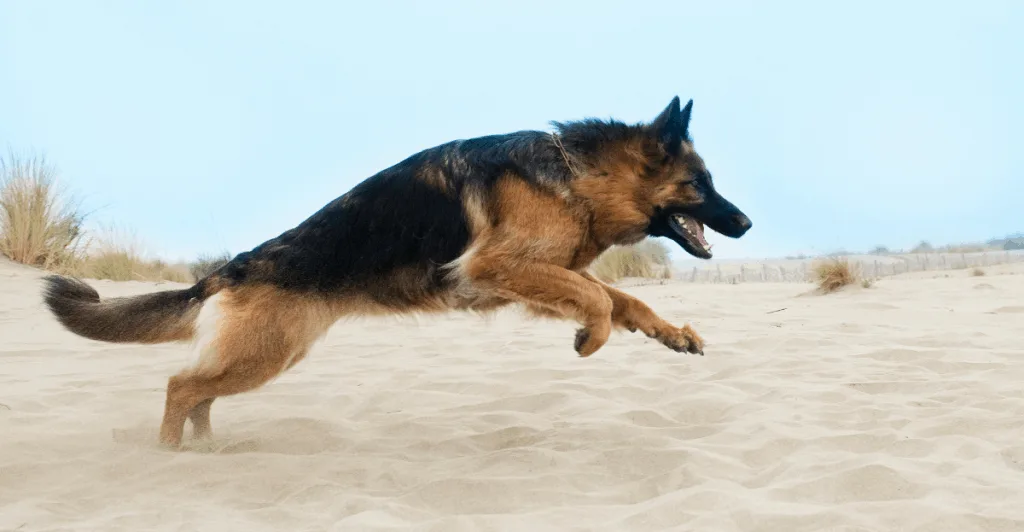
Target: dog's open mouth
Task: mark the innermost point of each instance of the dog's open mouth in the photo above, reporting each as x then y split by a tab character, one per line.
692	232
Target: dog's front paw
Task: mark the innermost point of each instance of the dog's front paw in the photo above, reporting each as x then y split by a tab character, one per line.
590	339
681	340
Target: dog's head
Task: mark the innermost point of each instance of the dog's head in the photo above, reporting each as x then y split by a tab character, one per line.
648	180
683	194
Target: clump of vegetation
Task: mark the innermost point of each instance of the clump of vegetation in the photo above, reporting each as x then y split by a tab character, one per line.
867	283
40	225
965	248
880	250
648	259
923	247
978	272
833	274
207	264
125	265
117	256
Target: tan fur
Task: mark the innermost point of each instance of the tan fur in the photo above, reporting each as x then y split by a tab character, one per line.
538	249
524	230
260	331
630	313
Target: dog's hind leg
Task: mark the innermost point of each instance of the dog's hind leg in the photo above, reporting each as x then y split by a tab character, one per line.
192	392
200	418
260	332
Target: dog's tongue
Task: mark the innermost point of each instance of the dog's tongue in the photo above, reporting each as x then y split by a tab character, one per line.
697	229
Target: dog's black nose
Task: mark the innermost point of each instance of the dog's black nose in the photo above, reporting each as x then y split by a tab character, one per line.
742	223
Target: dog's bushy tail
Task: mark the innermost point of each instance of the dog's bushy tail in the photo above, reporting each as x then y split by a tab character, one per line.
149	318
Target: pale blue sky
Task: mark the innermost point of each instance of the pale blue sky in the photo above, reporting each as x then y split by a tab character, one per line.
216	125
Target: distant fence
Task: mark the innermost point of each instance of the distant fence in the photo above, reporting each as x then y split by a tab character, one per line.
871	266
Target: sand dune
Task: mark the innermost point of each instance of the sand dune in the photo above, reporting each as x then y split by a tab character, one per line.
899	407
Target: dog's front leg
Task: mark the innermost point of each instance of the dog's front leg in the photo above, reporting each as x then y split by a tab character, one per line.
633	314
558	290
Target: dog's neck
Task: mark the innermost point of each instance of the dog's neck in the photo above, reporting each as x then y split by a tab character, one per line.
570	162
610	220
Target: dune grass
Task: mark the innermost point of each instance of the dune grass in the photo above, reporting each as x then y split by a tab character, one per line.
40	224
834	273
207	264
117	255
124	265
647	259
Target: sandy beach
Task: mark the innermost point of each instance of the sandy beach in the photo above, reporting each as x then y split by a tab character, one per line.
898	407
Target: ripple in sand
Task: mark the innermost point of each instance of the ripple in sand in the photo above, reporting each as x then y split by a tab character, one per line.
866	483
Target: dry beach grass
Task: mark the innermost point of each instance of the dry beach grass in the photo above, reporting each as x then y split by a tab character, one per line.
42	225
834	273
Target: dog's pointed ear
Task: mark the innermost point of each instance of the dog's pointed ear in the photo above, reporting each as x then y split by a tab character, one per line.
669	128
684	118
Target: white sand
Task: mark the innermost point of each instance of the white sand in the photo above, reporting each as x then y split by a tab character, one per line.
900	407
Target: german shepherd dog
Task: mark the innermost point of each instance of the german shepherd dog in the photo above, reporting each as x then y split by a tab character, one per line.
471	224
